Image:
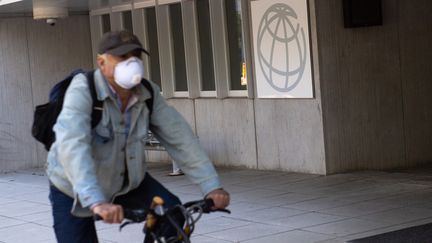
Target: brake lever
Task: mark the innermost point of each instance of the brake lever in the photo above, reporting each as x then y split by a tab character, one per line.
124	224
133	217
97	217
223	211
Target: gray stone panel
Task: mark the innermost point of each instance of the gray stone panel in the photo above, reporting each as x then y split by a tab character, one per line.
289	135
226	130
17	148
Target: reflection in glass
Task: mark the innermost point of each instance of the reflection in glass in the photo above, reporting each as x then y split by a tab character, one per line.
127	20
150	15
236	46
178	46
106	23
205	44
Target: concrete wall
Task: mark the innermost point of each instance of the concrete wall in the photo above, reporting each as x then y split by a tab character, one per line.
227	131
259	134
33	56
290	135
375	84
17	149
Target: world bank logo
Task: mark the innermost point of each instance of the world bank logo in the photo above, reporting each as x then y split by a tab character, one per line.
281	45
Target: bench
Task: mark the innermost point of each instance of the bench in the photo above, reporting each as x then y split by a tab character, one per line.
152	144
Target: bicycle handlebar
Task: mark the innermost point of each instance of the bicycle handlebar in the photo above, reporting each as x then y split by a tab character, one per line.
206	205
140	215
158	212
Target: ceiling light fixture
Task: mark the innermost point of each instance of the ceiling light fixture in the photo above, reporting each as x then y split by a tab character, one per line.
4	2
48	9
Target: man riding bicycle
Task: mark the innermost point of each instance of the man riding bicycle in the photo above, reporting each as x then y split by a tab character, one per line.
101	170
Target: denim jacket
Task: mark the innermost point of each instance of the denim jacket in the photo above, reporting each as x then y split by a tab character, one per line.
89	164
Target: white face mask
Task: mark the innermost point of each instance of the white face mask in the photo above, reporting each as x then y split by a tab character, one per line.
128	73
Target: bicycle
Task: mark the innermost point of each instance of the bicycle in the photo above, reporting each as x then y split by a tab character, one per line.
156	217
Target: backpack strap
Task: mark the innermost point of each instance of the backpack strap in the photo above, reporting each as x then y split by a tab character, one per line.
97	107
149	102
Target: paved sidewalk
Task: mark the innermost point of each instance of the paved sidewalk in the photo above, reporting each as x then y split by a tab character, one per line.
268	207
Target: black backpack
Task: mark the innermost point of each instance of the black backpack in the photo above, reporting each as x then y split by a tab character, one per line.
45	115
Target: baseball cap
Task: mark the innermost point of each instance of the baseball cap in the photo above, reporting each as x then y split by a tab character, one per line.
119	43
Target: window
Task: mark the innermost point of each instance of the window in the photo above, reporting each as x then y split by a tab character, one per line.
237	61
150	16
205	44
127	20
106	23
180	82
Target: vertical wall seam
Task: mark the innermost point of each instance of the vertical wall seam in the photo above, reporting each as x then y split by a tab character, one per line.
318	88
255	131
247	38
194	117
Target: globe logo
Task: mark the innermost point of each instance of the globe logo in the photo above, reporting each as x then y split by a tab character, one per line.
281	46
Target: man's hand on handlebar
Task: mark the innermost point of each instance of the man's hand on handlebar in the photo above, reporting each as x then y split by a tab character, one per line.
221	198
110	213
114	214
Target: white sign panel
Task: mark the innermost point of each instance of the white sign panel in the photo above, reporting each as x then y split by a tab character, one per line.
281	47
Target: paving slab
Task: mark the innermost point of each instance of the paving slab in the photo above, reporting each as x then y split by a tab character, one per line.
24	233
346	227
294	236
